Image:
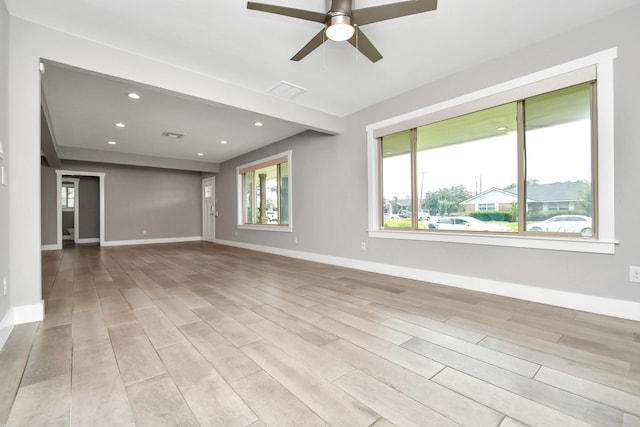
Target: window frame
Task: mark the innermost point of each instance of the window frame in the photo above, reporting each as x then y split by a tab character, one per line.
599	67
258	164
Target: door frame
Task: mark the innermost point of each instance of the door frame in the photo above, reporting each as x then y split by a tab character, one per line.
70	174
206	215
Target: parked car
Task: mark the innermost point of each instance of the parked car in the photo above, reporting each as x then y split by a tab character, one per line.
424	216
272	216
563	224
467	223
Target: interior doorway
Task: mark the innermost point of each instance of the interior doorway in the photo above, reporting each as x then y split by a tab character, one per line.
69	176
209	209
69	196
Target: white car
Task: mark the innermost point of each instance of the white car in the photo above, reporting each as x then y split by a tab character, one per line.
563	224
272	216
423	216
467	223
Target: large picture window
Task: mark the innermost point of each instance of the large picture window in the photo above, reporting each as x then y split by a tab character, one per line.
265	193
461	167
525	163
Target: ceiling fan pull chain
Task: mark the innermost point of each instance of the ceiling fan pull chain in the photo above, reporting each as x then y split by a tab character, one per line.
357	47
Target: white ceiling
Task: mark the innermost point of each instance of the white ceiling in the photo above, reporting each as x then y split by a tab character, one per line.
251	49
84	108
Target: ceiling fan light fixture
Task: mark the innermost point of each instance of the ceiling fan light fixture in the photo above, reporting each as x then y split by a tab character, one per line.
340	28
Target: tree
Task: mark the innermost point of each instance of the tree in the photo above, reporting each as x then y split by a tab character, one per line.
513	211
585	197
443	208
430	203
445	200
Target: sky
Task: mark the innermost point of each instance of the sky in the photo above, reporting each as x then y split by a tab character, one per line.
554	154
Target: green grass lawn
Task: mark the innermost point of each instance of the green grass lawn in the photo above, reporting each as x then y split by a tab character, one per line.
406	223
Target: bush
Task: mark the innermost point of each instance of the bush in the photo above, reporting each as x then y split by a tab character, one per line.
491	216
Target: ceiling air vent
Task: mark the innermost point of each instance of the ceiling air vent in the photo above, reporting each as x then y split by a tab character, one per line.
286	90
175	135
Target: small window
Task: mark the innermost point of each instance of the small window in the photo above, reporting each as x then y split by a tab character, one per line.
208	191
265	192
68	195
558	206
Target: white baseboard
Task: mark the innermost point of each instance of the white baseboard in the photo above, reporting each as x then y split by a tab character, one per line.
152	241
88	240
50	247
594	304
6	326
28	313
19	315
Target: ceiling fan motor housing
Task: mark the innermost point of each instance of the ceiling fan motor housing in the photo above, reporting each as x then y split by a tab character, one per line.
341	6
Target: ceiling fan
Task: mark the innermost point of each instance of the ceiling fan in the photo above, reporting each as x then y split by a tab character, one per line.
343	22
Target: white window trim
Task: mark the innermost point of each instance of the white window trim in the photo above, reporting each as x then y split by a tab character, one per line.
605	243
240	193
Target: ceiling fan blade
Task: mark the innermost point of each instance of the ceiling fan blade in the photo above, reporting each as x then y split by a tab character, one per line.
364	45
314	43
373	14
288	11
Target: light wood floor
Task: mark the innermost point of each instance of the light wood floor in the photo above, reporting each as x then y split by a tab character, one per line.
201	334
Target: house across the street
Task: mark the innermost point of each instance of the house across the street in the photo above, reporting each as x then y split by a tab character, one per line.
559	196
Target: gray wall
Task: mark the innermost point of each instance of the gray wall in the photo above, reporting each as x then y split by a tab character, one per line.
89	207
68	220
329	180
166	203
4	137
48	205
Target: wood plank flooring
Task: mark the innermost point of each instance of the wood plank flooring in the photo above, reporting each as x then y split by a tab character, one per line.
202	334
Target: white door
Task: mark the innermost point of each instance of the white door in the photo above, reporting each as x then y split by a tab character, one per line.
208	209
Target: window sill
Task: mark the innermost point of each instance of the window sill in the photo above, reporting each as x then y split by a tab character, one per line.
587	245
267	227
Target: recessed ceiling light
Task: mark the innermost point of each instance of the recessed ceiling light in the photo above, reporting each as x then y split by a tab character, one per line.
223	142
200	154
111	142
258	124
120	125
133	95
501	128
